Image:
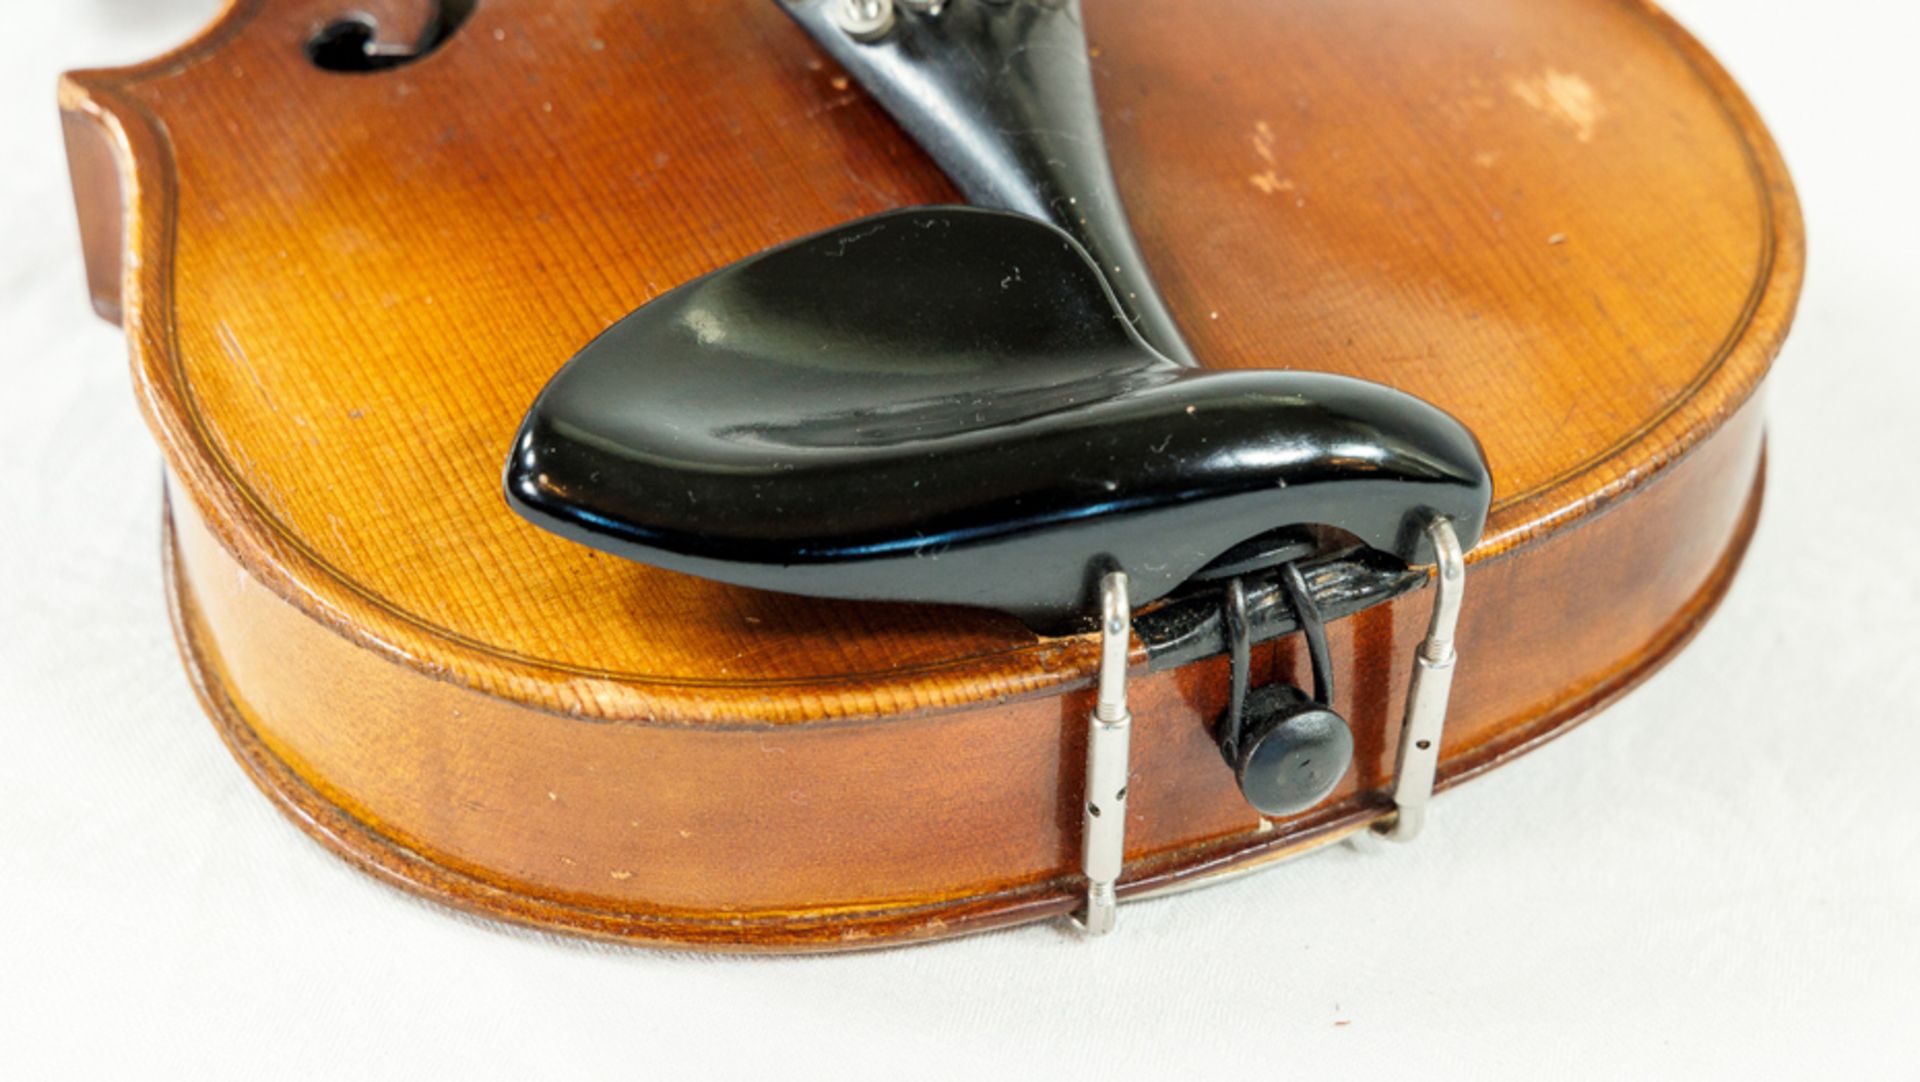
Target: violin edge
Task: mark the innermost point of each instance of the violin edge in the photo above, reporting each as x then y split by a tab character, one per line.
377	847
100	110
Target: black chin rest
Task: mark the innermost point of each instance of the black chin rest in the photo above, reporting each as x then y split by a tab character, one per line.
942	404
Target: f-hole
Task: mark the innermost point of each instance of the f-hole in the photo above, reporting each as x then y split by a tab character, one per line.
353	42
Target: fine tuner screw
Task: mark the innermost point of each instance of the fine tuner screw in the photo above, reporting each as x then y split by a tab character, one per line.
864	20
871	20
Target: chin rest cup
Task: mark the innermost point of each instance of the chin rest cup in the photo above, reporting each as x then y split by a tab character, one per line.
944	404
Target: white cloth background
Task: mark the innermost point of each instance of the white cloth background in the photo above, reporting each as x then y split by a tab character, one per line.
1720	877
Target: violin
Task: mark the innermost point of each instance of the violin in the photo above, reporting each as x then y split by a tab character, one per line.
793	475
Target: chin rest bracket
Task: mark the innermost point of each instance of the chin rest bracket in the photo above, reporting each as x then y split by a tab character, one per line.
1418	759
1273	757
1103	832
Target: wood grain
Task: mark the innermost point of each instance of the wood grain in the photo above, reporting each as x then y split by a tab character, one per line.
1557	219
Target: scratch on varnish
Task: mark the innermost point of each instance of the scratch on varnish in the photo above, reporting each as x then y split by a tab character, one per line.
1564	97
231	344
839	102
1267	180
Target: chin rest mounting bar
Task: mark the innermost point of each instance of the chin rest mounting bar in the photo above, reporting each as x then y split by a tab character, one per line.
1109	727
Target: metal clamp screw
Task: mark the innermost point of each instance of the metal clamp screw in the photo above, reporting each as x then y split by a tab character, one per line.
864	20
1427	693
1109	735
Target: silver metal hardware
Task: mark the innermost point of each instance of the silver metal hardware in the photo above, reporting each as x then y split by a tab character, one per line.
1427	693
1109	735
864	20
1109	732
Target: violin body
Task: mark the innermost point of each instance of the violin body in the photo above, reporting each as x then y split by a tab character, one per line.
1558	220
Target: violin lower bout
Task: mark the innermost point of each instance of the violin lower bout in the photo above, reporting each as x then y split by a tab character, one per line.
851	833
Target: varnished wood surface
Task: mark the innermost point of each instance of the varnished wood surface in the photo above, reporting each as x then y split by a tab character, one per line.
835	835
1557	219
